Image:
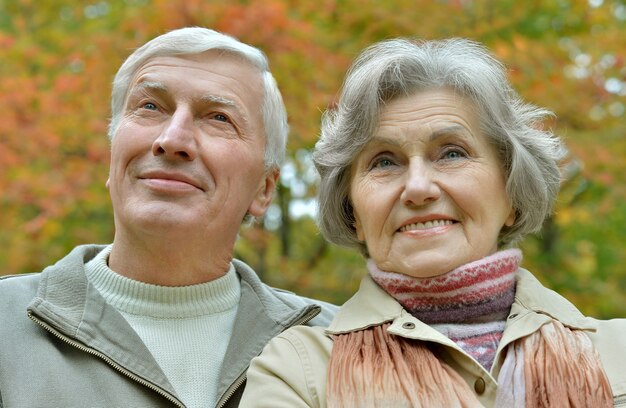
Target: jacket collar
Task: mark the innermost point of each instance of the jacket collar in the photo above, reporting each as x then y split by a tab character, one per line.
530	294
372	306
261	315
63	290
71	306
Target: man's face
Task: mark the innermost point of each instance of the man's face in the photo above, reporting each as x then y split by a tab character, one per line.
188	153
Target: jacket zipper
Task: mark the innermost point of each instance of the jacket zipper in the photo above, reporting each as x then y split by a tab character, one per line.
110	362
620	400
242	378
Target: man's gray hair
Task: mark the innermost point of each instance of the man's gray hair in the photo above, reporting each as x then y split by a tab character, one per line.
396	68
195	40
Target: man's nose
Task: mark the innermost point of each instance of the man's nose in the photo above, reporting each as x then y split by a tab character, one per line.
420	185
177	138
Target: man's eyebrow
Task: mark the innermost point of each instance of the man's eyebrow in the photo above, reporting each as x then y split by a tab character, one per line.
152	85
219	100
222	101
158	86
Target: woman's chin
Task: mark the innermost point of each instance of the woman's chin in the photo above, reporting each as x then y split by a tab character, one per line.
427	266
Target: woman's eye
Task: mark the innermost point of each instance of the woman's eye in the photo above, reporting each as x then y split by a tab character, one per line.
381	163
453	154
149	106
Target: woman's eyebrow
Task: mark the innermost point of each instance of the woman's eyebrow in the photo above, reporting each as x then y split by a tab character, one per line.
436	134
449	130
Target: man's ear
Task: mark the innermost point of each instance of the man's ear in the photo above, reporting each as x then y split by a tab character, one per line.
264	193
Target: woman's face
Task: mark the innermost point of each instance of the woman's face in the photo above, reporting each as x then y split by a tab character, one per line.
428	190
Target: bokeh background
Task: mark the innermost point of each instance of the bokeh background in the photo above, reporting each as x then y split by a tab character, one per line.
57	60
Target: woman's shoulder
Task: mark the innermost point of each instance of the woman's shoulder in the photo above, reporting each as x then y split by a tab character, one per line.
291	370
608	340
609	337
307	340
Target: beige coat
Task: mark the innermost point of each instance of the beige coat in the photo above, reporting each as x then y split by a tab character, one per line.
291	371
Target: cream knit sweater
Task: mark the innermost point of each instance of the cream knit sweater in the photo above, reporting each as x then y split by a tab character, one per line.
185	328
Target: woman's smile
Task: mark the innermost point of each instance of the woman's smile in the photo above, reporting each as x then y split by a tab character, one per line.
426	225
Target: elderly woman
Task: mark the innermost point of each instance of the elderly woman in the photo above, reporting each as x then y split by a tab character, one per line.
432	167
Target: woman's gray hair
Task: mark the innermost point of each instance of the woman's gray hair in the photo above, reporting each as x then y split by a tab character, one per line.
396	68
195	40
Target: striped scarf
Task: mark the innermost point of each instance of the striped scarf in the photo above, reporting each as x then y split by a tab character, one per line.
469	305
372	368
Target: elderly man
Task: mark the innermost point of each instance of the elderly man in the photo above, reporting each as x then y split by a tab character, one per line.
163	316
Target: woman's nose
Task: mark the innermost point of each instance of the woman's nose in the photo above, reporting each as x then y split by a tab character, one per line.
420	186
177	137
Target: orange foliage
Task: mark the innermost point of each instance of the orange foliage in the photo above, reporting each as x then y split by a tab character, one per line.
58	59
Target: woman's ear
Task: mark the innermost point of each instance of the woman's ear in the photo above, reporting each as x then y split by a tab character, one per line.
359	229
510	220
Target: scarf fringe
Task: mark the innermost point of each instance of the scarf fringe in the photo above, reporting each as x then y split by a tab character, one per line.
553	367
371	368
562	365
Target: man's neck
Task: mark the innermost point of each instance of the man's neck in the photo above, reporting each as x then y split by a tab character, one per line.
170	262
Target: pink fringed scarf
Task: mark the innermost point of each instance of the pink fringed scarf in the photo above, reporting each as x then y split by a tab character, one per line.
469	304
372	368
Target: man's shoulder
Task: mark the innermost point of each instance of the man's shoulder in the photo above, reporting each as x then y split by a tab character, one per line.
292	300
16	292
21	288
13	285
325	316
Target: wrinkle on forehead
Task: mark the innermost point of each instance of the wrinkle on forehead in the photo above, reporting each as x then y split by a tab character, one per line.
436	113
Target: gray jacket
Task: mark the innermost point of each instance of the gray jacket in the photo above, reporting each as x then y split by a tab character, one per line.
61	344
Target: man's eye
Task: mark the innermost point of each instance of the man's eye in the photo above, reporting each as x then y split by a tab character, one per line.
221	117
149	106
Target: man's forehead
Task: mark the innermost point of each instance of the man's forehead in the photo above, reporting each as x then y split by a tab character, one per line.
215	63
208	58
148	83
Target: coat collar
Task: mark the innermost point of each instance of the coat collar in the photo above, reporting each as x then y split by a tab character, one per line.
372	306
530	294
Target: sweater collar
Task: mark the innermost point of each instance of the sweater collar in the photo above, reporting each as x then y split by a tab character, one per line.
164	302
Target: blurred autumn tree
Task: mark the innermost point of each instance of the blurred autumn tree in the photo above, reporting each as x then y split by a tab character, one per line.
58	59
